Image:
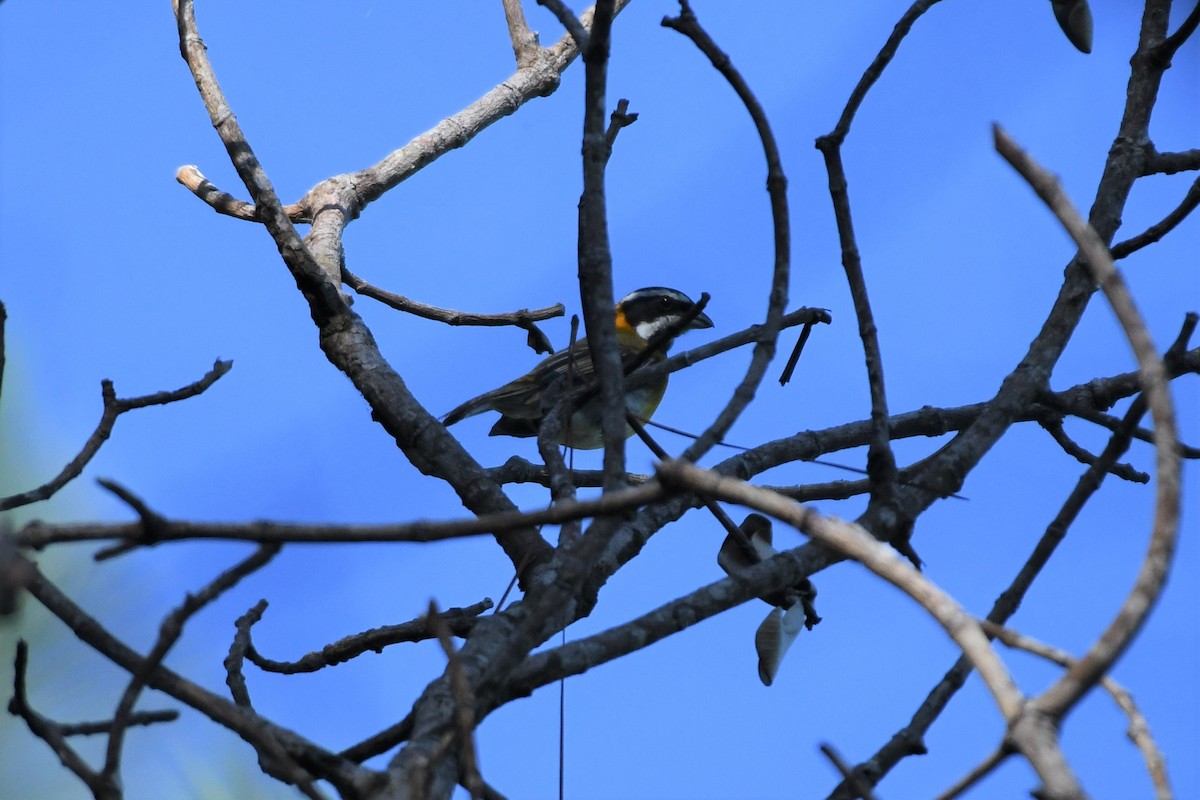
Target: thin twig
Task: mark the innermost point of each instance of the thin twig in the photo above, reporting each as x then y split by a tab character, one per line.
113	407
731	528
1109	422
573	24
380	742
169	633
523	318
860	788
778	574
275	745
1168	47
956	459
881	461
1054	427
978	772
620	118
1163	226
235	679
3	348
877	66
136	719
786	376
538	78
764	348
12	570
101	786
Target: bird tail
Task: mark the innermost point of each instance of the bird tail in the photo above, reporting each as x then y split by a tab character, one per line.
470	408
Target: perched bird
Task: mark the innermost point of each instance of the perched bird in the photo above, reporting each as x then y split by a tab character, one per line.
524	402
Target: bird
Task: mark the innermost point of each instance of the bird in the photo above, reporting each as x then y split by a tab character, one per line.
524	402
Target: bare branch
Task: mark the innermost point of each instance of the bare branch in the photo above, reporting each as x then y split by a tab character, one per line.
856	543
270	740
381	742
1054	427
794	358
346	341
775	575
190	176
620	118
764	348
113	408
3	348
136	719
456	621
575	27
803	446
12	570
1163	227
1028	732
552	429
905	741
978	772
877	66
731	528
1061	697
1139	728
464	705
1168	47
881	462
522	319
860	788
595	255
1170	163
524	41
169	633
101	786
38	534
235	679
538	80
750	335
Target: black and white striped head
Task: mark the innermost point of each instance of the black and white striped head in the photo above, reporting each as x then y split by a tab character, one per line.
650	310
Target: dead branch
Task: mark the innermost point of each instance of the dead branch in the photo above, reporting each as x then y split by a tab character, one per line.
1061	697
113	407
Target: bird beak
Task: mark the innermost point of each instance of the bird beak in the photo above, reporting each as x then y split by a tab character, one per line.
701	321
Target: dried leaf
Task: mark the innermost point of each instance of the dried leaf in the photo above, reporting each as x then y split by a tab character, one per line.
774	638
1075	19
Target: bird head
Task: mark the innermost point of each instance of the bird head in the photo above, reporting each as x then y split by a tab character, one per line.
650	310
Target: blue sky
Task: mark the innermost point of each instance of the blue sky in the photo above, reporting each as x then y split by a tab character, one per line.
112	270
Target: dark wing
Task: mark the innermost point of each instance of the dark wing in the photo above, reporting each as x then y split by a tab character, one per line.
532	394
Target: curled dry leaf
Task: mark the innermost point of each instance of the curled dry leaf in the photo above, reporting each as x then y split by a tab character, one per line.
777	632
